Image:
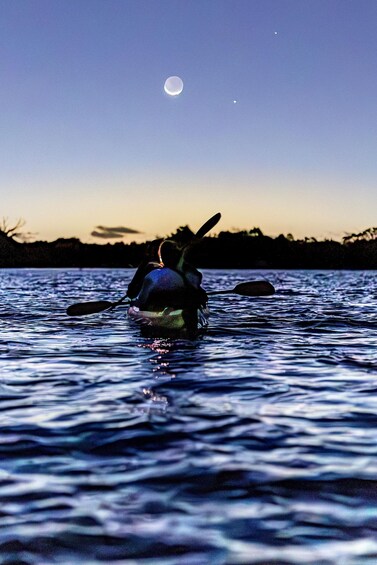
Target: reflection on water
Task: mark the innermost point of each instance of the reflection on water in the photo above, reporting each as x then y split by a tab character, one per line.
253	444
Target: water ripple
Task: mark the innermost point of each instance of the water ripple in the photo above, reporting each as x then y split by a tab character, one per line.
254	444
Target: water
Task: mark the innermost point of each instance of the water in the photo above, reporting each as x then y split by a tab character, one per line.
255	444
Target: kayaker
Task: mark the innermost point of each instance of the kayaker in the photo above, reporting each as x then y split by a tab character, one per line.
174	283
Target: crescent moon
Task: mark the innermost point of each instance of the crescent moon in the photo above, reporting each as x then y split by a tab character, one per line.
173	86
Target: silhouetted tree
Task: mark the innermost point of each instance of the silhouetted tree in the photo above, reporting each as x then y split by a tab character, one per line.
182	235
256	232
234	249
366	235
12	231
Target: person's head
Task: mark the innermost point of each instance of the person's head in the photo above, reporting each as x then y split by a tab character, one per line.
169	253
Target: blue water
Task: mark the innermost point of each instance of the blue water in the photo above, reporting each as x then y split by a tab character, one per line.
255	444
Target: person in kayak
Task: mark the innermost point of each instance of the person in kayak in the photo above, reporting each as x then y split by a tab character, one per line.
173	283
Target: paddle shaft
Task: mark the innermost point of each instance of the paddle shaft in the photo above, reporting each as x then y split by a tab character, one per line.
214	292
253	288
86	308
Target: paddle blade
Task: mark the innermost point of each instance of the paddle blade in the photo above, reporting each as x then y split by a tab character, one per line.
254	288
85	308
208	225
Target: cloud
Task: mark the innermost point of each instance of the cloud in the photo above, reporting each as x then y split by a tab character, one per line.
117	232
105	235
119	229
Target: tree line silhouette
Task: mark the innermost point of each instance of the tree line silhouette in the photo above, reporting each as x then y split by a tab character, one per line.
246	249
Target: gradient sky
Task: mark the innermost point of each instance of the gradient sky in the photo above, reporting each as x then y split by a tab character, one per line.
88	136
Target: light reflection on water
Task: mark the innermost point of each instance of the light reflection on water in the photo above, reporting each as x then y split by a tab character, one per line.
253	444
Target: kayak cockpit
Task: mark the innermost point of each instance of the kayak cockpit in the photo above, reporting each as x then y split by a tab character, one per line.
170	321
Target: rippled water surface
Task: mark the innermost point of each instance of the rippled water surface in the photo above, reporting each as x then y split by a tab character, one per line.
255	444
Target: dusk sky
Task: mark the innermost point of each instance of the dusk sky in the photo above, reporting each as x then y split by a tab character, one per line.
276	126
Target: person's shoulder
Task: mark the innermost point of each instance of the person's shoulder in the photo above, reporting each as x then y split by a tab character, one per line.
165	273
152	270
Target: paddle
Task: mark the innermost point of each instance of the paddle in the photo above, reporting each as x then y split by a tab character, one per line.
85	308
252	288
207	226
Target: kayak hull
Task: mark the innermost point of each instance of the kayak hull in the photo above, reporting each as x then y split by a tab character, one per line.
170	321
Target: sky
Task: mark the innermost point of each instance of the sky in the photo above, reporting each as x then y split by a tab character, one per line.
276	126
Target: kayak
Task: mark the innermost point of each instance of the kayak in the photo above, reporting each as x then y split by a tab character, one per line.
170	321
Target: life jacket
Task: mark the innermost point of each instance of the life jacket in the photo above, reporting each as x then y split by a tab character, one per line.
166	287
